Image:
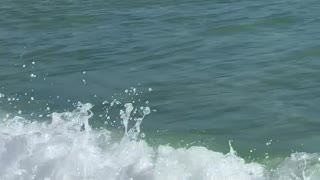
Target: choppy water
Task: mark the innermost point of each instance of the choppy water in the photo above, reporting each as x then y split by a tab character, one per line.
210	72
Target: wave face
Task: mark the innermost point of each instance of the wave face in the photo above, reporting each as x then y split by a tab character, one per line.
66	148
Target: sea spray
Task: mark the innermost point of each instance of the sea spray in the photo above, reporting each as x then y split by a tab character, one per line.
60	150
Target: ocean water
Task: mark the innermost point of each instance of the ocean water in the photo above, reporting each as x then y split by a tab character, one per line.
158	90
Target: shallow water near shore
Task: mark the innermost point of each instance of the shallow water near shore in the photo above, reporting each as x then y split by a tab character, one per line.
211	72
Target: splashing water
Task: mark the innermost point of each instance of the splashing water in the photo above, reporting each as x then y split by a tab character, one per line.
68	149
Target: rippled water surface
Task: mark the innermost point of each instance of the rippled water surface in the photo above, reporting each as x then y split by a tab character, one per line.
211	71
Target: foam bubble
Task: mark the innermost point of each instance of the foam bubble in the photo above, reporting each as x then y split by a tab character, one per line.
66	148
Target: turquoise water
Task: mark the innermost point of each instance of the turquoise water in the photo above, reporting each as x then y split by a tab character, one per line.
210	71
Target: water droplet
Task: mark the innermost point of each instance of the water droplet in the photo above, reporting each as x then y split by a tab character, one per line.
146	111
105	102
143	135
269	142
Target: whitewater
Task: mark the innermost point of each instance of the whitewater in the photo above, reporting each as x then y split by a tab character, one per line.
66	147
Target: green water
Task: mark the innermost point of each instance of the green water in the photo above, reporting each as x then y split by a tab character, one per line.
220	70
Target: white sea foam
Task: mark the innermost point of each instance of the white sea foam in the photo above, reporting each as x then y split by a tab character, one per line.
66	148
